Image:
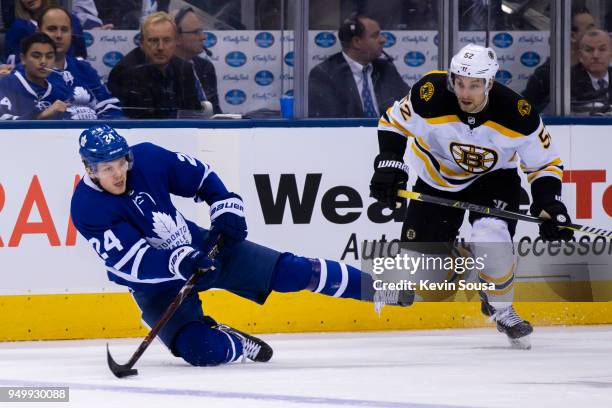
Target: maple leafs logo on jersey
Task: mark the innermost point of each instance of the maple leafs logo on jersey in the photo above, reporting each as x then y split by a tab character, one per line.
170	233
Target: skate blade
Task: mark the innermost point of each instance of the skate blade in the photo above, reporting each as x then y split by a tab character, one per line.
522	343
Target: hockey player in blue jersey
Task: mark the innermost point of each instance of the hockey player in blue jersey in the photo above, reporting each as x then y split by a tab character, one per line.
122	206
34	91
56	23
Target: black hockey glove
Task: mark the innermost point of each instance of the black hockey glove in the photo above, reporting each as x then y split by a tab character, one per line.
185	261
390	175
556	214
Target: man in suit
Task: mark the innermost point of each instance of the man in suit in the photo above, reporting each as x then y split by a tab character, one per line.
360	81
590	78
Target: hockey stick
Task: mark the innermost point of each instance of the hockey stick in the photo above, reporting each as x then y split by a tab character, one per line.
126	370
496	212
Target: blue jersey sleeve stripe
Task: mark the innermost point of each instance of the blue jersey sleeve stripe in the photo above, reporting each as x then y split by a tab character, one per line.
129	278
138	259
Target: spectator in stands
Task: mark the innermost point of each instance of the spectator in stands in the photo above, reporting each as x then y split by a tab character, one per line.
591	76
189	46
34	91
26	17
87	13
56	23
537	90
360	81
150	81
127	14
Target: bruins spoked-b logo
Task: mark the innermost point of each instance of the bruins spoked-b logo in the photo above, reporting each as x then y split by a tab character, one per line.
473	159
523	107
426	91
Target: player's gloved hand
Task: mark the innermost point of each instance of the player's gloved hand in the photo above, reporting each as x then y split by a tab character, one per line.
556	214
227	219
185	261
390	175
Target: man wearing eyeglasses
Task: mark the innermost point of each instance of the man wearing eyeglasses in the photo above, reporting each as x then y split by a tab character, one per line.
150	81
189	46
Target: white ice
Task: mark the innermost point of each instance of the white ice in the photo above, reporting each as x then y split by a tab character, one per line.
567	367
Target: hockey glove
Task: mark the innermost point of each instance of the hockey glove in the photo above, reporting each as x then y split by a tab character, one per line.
227	219
556	215
390	175
185	261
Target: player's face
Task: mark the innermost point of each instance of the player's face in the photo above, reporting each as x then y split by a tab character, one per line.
470	93
595	54
57	26
37	62
112	175
191	36
159	42
370	44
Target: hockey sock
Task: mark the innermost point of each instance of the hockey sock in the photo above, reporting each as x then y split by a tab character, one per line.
201	345
294	273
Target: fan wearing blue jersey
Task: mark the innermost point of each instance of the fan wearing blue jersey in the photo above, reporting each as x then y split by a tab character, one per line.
123	207
56	23
34	91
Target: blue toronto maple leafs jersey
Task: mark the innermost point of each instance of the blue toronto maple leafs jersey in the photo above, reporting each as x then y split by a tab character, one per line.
135	233
23	99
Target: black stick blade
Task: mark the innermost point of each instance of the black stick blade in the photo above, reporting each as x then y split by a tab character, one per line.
119	370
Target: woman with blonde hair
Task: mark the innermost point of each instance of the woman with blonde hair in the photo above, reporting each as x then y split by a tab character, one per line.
26	16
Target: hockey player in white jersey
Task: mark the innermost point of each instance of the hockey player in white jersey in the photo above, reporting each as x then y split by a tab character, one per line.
464	134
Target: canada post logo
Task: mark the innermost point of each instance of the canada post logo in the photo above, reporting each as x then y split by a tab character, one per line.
264	39
390	39
289	58
111	58
210	40
325	39
264	78
504	77
88	38
235	59
235	97
530	59
414	59
502	40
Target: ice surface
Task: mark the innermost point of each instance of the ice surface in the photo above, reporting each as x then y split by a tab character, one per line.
567	367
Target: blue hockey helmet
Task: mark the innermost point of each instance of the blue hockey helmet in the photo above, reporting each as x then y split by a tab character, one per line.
102	143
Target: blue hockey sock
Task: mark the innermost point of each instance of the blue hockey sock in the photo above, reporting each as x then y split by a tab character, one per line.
201	345
294	273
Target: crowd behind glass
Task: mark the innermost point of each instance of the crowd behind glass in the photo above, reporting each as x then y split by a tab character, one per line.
45	73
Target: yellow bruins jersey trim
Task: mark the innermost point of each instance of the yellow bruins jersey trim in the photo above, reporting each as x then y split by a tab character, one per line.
435	71
394	123
502	129
442	119
438	168
443	169
551	169
429	167
555	162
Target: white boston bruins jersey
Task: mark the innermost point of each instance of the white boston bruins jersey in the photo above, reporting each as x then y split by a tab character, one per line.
449	149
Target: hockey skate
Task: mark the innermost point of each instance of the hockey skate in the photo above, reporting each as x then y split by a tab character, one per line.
402	298
510	323
252	348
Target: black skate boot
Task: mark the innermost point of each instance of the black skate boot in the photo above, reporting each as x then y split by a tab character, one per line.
398	297
252	348
510	323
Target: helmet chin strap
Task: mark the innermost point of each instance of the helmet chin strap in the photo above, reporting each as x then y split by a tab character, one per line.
484	103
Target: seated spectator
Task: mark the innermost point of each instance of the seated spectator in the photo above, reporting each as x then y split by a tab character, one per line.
55	22
34	91
189	46
360	81
150	81
537	90
128	14
590	78
26	17
87	13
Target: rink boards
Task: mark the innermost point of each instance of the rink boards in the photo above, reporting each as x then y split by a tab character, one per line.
54	286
